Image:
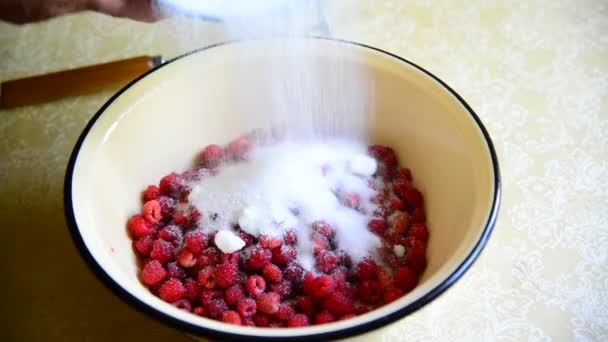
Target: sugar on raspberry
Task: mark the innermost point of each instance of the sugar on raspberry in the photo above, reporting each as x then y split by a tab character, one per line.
298	320
226	274
268	302
153	272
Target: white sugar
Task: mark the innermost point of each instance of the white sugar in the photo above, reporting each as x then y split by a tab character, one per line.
228	242
284	187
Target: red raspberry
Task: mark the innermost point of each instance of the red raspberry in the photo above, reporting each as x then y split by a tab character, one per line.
259	258
320	243
261	320
324	228
216	308
231	258
339	276
324	317
268	302
367	269
348	290
226	274
152	192
298	320
139	227
390	158
255	285
293	272
376	151
183	304
167	207
327	261
406	279
152	212
400	222
360	310
343	258
323	285
418	215
285	312
283	288
183	219
308	284
338	304
403	173
392	295
162	251
347	316
377	226
153	272
248	238
415	256
175	271
272	273
231	317
234	294
209	257
248	322
385	279
209	295
269	243
420	232
277	324
170	233
413	197
196	241
193	290
396	204
200	311
171	185
246	307
238	149
211	156
171	290
185	258
401	186
143	245
206	277
369	291
290	237
283	255
306	305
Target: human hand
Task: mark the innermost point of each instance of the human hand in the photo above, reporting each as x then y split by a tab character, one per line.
25	11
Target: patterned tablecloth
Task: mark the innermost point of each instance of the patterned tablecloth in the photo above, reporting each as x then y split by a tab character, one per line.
535	71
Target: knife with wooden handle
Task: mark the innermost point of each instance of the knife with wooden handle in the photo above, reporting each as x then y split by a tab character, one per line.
74	82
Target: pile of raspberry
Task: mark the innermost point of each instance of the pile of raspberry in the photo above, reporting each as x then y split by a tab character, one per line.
263	285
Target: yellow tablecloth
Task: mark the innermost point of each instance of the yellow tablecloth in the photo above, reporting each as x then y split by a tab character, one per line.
535	71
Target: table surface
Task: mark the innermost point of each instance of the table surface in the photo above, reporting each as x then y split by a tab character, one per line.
535	71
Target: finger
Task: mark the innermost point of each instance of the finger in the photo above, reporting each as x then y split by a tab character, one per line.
141	10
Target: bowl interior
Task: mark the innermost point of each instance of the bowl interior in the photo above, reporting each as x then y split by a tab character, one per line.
158	125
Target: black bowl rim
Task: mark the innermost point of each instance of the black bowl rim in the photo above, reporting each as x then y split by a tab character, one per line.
335	334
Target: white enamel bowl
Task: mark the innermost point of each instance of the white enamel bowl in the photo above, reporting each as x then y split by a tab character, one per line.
159	122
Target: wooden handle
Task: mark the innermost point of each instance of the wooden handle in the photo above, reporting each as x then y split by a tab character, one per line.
85	80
